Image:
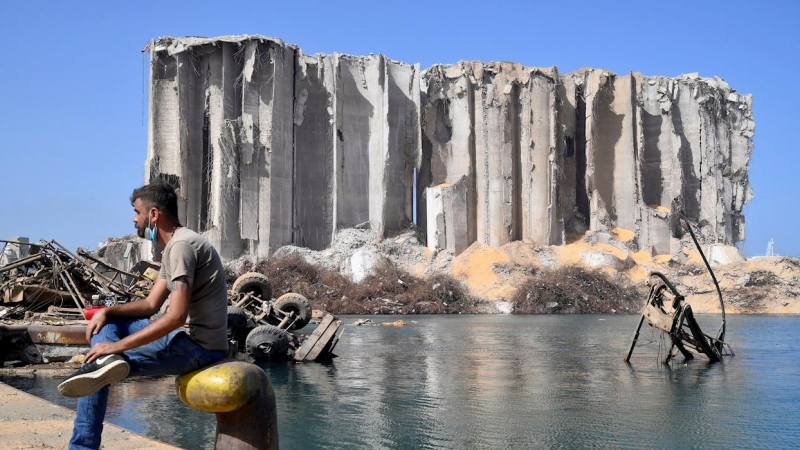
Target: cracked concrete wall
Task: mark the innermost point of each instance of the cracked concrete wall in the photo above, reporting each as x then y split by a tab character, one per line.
497	125
270	147
314	150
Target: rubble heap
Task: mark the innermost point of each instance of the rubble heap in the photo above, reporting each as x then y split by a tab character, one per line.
273	147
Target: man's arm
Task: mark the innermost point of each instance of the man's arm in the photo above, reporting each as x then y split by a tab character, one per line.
174	318
140	308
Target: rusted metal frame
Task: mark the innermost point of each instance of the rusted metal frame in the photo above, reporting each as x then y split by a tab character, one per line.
111	286
45	290
699	337
117	272
64	311
68	282
287	321
244	301
75	295
265	311
677	335
721	334
633	341
55	334
88	266
22	262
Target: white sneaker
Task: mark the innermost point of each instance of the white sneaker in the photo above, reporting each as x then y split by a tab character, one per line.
92	377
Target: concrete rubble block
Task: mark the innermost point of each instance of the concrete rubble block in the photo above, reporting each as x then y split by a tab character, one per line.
122	253
366	261
448	207
314	146
656	234
504	307
721	254
607	259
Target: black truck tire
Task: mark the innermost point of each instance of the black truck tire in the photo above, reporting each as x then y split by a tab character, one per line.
256	283
267	342
297	304
237	318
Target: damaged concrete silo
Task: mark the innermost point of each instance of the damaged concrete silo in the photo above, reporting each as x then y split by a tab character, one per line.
271	147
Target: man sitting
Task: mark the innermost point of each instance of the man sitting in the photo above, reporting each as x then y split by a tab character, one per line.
124	342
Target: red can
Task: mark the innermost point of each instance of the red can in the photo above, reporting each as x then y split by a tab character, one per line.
89	312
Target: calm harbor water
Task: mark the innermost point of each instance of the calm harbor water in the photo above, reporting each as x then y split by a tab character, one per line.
496	381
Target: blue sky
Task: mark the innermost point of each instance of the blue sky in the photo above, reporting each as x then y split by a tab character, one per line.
73	111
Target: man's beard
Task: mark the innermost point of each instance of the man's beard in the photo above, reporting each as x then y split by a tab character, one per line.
139	230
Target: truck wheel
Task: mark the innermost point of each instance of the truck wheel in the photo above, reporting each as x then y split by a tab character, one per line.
256	283
267	342
297	304
237	318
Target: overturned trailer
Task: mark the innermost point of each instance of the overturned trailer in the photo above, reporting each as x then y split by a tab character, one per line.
263	327
667	310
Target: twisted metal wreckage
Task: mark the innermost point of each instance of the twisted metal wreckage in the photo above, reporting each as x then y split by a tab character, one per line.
47	292
667	310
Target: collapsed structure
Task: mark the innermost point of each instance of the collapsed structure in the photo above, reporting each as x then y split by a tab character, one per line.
271	147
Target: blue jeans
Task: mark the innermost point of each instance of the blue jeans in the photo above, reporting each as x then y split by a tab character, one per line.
174	354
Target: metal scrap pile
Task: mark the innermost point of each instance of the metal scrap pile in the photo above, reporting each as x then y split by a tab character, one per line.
46	279
47	283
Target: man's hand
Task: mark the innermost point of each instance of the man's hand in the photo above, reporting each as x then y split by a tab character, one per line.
97	322
101	349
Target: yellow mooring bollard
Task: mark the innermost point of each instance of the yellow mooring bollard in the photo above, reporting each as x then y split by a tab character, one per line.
241	396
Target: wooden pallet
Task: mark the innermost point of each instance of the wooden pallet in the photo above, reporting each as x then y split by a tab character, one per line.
321	342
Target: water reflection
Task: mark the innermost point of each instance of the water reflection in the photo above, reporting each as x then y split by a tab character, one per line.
511	382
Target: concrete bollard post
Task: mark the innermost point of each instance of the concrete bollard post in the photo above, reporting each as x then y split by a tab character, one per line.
241	396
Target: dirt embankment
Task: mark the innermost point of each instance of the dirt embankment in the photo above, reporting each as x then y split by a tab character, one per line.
595	273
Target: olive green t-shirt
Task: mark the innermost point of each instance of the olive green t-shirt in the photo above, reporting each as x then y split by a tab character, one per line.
190	254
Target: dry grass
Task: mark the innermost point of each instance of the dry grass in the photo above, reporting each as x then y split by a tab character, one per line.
389	291
573	289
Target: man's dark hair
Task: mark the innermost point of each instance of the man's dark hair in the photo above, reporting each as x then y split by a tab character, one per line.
158	195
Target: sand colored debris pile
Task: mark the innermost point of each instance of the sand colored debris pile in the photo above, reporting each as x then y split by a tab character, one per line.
272	147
